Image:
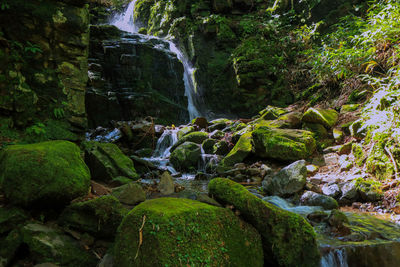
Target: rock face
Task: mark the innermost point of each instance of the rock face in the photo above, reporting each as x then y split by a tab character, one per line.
44	65
49	173
106	161
283	144
287	181
285	235
133	77
99	217
193	232
186	156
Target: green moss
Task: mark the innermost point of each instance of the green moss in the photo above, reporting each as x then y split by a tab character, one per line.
10	218
178	232
370	190
326	117
358	153
194	137
100	216
285	235
240	151
283	144
41	172
186	156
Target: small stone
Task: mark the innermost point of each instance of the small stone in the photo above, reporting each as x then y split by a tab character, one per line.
166	185
331	190
312	169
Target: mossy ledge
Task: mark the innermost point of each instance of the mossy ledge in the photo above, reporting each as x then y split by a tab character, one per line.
288	239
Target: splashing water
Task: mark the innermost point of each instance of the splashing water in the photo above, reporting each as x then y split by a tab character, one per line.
335	258
125	22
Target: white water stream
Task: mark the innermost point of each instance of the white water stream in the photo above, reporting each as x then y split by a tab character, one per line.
126	22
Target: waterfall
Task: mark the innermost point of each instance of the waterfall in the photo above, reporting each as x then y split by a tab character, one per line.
125	22
335	258
165	143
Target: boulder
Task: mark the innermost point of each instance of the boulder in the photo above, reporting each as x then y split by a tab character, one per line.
239	152
194	137
129	194
349	193
186	156
326	117
272	113
48	173
171	231
310	198
208	145
166	185
285	235
10	217
287	181
100	216
332	190
106	162
283	144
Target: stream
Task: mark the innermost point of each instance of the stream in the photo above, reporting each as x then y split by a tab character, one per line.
370	241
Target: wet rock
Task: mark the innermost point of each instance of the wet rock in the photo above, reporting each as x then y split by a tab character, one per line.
332	190
338	221
106	162
217	134
200	122
273	224
99	217
326	117
310	198
48	173
221	148
287	181
166	185
194	137
208	145
200	230
129	194
357	129
283	144
184	131
186	156
349	193
10	218
272	113
239	152
318	216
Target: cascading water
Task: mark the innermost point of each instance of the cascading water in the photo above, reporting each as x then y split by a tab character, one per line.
335	258
125	21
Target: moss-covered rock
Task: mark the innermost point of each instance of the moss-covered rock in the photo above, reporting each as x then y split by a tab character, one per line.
272	113
194	137
283	144
326	117
240	151
106	161
175	232
186	156
50	173
208	145
46	244
288	239
100	216
130	194
11	217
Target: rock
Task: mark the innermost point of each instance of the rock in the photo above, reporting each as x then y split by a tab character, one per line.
194	232
194	137
106	162
349	108
166	185
186	156
208	145
349	193
287	181
326	117
344	163
370	190
46	244
338	220
283	144
312	169
100	216
129	194
217	134
184	131
49	173
320	132
239	152
338	135
221	148
10	218
200	122
332	190
358	129
345	149
284	234
310	198
272	113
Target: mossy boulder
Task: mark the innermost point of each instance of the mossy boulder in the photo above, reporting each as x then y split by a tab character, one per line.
100	216
326	117
186	156
176	232
194	137
208	145
272	113
48	173
106	162
240	151
283	144
129	194
288	239
10	217
47	244
310	198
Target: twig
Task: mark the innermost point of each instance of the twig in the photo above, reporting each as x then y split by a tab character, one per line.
140	236
394	162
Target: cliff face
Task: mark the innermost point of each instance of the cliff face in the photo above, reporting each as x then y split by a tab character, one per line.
43	70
